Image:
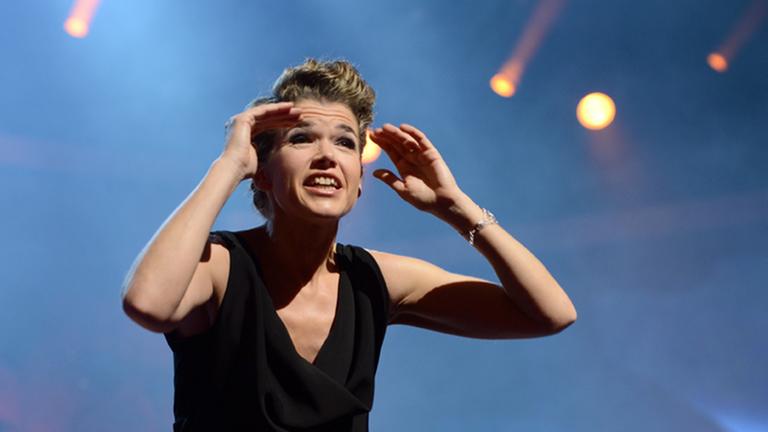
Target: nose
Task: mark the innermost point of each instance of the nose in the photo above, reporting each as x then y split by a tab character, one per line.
326	153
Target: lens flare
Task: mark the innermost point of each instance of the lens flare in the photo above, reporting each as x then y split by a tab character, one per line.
502	85
717	62
596	111
506	82
78	22
371	151
76	27
750	21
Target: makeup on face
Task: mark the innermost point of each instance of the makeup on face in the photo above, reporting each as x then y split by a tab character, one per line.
317	166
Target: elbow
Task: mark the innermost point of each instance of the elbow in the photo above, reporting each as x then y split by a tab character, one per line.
555	320
563	320
142	313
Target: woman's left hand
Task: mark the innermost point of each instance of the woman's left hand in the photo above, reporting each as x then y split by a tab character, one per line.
425	180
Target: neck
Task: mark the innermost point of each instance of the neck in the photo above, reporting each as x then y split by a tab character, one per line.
301	251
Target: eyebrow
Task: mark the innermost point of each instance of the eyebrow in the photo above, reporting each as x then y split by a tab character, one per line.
346	128
304	123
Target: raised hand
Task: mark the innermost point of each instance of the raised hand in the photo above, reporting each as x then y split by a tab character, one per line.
241	129
424	179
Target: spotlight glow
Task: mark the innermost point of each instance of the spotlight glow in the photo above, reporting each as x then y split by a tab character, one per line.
743	30
76	27
596	111
506	82
502	85
371	151
79	21
717	62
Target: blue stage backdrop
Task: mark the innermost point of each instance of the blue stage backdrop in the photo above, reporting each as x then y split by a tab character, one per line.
657	226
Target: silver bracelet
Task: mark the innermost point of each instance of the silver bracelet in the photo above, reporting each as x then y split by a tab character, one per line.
488	219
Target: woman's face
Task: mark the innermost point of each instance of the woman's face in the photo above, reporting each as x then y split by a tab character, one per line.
315	171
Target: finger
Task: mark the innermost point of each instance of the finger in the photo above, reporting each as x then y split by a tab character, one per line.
263	125
273	107
387	144
418	135
406	143
292	113
278	118
275	121
406	146
277	126
382	139
253	115
264	112
391	180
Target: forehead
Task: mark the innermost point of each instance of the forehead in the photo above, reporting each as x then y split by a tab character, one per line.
332	114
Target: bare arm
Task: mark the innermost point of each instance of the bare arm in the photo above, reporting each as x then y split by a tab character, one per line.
175	273
524	278
173	263
529	301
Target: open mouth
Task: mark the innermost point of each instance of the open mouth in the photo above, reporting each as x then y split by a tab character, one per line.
323	181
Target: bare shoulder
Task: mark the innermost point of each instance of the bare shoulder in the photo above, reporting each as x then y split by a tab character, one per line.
388	264
219	270
219	257
428	296
200	305
392	264
408	278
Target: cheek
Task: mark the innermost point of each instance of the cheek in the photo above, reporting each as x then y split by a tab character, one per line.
278	174
354	171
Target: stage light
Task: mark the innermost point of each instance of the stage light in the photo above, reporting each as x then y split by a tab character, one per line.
507	80
502	85
371	151
717	62
79	21
596	111
76	27
749	22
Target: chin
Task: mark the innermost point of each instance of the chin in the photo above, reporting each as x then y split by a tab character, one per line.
320	211
328	215
330	208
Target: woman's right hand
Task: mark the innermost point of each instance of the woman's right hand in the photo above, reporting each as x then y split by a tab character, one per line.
241	129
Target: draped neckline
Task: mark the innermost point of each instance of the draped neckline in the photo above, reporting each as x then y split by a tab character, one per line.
340	299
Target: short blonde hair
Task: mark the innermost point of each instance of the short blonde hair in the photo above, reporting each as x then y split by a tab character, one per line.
325	81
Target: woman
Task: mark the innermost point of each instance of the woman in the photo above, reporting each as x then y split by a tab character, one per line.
279	327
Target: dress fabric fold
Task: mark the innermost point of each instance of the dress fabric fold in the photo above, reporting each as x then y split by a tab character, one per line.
244	373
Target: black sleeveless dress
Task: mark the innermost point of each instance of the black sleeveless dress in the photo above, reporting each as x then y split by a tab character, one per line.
244	374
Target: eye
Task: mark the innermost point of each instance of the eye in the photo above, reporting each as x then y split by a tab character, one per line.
347	142
299	138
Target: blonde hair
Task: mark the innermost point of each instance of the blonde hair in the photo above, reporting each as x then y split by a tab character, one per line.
326	81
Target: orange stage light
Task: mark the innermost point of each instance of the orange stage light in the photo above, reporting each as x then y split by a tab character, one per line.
507	80
79	21
371	151
76	27
749	22
596	111
717	62
502	85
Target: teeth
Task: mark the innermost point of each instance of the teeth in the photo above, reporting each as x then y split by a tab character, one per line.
324	181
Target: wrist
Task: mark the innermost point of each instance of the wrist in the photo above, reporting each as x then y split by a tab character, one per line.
462	213
230	166
228	170
488	219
